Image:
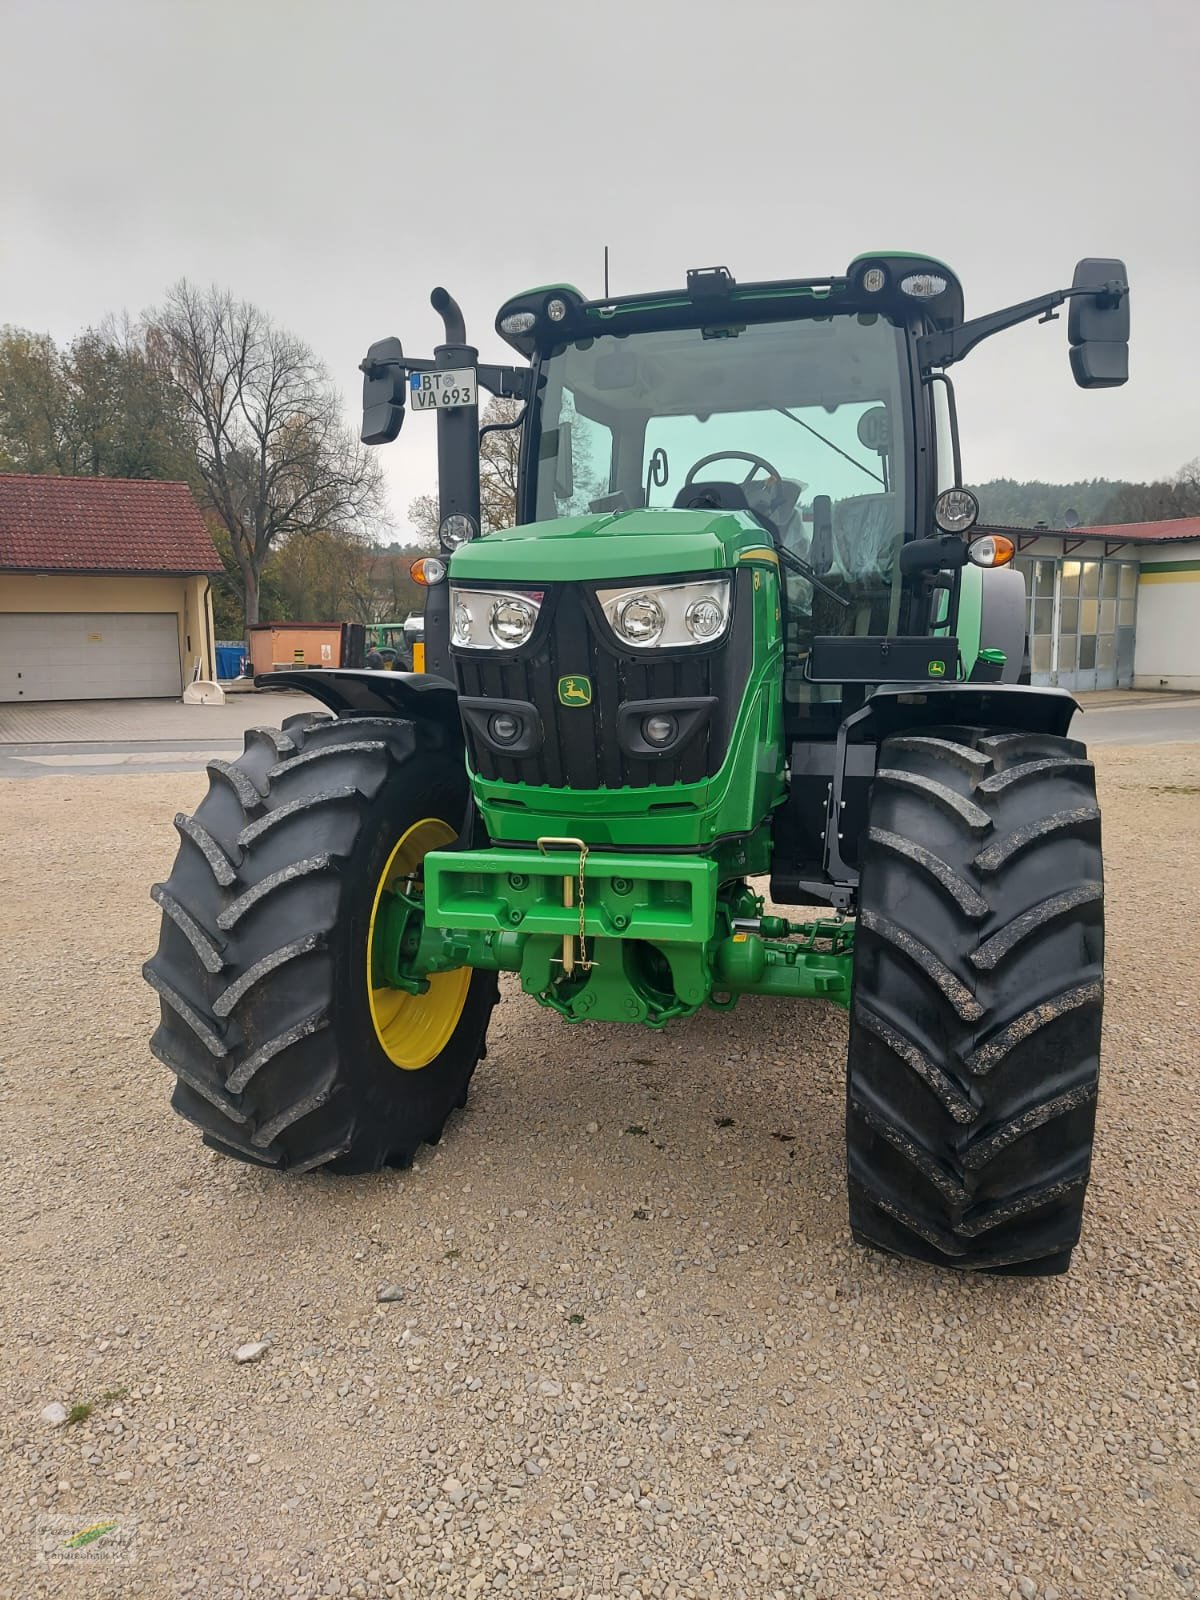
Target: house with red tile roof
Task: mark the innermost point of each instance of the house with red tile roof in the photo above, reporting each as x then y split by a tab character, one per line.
105	589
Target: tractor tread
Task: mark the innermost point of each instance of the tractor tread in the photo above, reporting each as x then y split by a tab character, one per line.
994	950
984	1057
978	968
234	912
999	852
327	752
1027	770
210	954
300	1107
270	1048
201	1082
208	1037
250	797
978	1153
229	996
255	830
936	970
219	863
962	755
274	739
942	1085
970	901
950	800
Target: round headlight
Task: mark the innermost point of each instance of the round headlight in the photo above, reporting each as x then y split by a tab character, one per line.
504	727
640	619
461	633
659	730
874	279
556	310
704	618
456	530
955	510
511	621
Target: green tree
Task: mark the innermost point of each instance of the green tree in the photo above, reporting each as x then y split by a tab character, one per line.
1023	505
97	408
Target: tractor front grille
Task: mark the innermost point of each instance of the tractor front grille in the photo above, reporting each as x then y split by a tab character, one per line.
579	747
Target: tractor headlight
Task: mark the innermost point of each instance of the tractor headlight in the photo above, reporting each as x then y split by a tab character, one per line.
456	529
955	510
638	618
668	615
490	619
511	621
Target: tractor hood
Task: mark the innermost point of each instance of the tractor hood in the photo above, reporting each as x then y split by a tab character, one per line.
624	544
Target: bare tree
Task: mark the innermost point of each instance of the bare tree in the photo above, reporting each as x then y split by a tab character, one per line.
1153	502
274	454
499	455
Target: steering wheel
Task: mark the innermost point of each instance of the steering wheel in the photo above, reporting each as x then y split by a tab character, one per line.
756	462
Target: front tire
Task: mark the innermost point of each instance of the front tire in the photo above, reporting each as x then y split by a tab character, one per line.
978	987
282	1054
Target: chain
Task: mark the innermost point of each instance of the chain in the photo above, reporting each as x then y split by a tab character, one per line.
568	958
583	957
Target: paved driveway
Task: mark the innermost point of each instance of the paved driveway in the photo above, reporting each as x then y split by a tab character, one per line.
109	737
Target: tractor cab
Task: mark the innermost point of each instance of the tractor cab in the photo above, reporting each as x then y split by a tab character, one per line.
795	408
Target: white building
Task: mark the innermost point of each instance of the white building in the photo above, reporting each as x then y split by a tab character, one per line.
1113	607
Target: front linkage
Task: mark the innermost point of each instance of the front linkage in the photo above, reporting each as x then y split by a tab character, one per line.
605	937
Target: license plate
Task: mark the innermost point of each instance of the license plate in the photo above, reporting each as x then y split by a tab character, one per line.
439	391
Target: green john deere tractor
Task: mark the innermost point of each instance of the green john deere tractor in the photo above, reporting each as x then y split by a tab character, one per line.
744	629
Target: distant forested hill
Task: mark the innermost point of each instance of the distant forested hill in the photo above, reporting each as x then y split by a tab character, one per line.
1024	505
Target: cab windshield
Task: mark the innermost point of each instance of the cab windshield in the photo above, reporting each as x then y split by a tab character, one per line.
807	417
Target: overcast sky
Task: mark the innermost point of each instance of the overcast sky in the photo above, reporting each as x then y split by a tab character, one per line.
333	161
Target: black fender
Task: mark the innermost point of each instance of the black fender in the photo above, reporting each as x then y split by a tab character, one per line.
417	696
845	770
894	706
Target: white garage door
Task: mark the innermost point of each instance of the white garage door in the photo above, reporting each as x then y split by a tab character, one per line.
76	655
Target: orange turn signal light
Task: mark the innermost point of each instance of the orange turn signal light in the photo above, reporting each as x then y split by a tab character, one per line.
991	550
426	570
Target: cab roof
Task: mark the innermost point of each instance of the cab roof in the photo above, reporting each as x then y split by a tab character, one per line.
900	284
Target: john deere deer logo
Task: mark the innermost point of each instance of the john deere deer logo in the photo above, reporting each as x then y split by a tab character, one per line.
575	691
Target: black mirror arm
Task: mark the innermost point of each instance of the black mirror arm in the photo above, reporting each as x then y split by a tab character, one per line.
943	349
507	383
503	427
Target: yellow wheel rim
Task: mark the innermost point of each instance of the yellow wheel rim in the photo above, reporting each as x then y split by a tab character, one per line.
414	1028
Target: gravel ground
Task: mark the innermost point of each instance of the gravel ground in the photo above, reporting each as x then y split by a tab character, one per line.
631	1351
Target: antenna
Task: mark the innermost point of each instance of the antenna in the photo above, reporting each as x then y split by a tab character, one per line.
1071	520
606	272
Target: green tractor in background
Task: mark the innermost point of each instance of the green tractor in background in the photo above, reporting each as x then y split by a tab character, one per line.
742	630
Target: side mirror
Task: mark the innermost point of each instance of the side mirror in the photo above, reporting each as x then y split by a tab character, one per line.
385	388
1098	324
820	555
